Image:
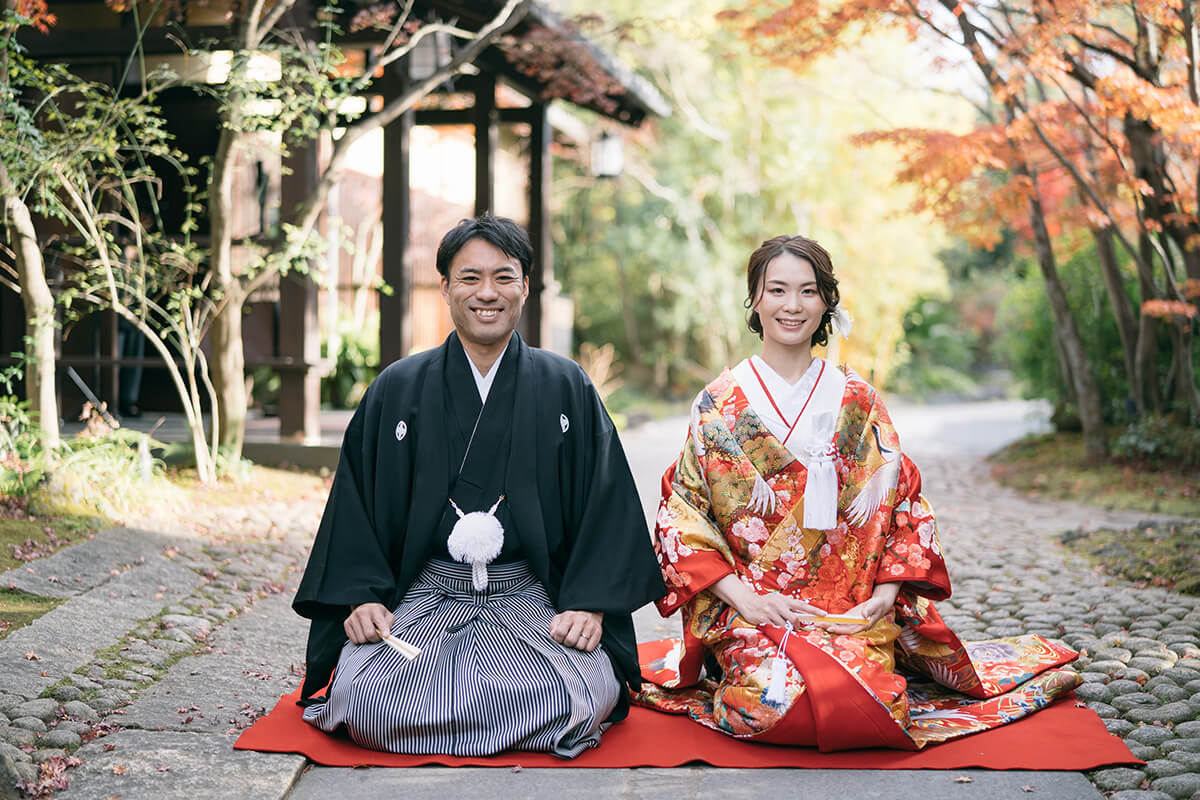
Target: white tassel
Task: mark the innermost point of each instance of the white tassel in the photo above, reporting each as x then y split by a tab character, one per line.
777	687
476	539
821	485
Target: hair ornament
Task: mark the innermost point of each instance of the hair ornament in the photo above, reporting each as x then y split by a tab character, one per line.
841	321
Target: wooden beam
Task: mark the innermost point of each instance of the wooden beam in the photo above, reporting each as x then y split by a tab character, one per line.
542	274
299	326
486	139
395	310
466	116
62	44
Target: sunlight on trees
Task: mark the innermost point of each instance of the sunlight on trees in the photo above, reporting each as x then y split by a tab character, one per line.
656	260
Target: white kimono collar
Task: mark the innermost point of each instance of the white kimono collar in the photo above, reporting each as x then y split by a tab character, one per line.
811	442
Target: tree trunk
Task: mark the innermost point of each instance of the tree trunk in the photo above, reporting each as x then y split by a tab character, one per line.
1095	443
225	336
1183	338
228	362
39	313
1146	361
1122	308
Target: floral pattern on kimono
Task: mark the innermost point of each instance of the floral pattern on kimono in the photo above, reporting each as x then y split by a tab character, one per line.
713	521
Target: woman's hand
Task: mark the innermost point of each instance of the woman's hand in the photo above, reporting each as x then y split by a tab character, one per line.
873	609
767	609
365	622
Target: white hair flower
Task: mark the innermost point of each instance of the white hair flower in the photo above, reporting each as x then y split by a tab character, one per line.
841	321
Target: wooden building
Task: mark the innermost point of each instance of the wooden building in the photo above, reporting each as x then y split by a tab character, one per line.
494	127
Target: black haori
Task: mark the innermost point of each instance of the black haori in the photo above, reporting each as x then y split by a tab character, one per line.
489	677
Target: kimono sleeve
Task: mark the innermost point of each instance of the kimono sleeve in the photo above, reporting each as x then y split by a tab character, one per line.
912	553
610	567
348	565
692	551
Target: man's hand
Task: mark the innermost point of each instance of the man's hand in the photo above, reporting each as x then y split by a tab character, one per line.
578	629
365	622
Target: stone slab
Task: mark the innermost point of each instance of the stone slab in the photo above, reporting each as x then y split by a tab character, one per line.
464	783
178	766
252	660
308	456
68	637
75	569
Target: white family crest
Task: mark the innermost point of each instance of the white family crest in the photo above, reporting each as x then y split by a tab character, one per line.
564	422
401	430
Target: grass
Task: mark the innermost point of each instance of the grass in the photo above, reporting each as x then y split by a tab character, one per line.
1051	465
39	536
18	609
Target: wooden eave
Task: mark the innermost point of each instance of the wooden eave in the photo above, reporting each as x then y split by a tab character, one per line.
636	99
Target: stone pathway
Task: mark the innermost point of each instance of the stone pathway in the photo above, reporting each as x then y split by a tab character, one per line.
169	642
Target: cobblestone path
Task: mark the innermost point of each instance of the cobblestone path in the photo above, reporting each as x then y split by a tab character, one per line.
1140	645
174	637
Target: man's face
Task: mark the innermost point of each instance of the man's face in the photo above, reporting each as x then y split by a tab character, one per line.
485	292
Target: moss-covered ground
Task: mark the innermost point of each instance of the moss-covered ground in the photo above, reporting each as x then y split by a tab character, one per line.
24	537
1052	466
1157	553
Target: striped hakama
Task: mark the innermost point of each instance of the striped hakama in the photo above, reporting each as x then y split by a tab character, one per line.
489	677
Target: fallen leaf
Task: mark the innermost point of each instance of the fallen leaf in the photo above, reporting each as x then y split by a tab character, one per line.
108	748
162	768
119	769
32	656
1028	789
964	779
516	768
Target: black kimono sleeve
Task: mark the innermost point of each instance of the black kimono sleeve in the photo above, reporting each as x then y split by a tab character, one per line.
611	565
348	564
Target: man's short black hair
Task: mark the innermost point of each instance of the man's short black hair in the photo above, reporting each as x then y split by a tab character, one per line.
502	232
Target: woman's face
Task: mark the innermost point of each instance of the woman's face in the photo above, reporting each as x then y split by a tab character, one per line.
789	305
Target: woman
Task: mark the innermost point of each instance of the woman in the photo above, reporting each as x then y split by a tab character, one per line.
797	545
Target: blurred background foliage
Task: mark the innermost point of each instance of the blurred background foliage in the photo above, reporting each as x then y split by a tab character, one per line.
655	259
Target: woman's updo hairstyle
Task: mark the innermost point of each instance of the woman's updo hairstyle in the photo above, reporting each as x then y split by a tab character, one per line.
801	247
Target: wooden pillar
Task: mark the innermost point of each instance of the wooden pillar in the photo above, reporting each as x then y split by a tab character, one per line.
486	138
299	327
542	274
110	385
395	310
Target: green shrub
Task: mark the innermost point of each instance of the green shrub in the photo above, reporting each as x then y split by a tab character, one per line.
22	461
1159	440
102	472
354	367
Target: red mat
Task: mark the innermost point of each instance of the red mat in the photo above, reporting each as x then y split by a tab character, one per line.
1061	737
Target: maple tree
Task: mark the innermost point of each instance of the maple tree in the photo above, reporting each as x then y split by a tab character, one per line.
655	258
1089	133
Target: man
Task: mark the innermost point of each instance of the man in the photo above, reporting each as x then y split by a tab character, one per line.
525	634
